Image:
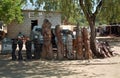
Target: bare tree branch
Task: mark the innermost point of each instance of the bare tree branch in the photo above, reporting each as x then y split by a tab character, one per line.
83	7
87	15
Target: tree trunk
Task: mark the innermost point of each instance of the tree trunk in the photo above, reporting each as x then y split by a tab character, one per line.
90	16
93	38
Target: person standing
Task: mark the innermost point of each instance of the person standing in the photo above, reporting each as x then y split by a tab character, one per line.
20	46
20	37
37	49
28	45
14	47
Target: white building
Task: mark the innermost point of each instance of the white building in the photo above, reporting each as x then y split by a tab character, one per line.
31	19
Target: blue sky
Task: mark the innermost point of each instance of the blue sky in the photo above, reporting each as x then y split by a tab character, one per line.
29	6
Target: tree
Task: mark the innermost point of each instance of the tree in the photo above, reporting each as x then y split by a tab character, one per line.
10	10
102	9
88	9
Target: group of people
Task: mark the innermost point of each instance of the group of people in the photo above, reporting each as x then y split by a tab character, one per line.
19	41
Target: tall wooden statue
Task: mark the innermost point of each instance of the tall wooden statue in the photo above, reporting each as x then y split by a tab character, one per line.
86	41
47	52
69	45
79	43
60	47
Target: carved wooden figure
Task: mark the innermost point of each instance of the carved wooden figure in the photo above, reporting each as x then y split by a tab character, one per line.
86	41
69	44
60	46
47	52
79	44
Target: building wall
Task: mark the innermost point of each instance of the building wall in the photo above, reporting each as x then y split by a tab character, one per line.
14	28
69	27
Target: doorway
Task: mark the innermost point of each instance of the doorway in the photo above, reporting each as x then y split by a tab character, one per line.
34	23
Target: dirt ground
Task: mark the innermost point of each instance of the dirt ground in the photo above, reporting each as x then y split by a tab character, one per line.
96	68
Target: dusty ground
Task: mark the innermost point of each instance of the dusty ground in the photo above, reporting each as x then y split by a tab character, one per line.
96	68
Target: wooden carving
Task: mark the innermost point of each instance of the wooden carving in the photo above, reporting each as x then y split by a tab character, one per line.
60	47
79	44
86	41
69	43
47	52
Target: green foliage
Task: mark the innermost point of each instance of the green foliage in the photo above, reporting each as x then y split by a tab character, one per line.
10	10
110	11
69	8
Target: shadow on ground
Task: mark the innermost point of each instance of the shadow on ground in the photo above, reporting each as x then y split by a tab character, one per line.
30	69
